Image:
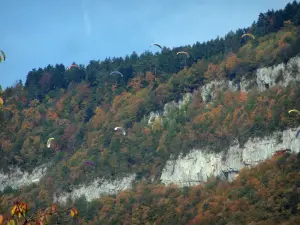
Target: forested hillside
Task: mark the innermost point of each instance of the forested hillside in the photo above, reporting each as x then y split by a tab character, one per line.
80	107
266	194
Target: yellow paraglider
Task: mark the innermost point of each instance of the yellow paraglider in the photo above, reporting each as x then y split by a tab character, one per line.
248	34
294	110
49	142
4	56
182	52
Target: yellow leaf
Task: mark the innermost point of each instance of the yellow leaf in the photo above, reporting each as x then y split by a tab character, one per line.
12	222
19	214
13	210
72	213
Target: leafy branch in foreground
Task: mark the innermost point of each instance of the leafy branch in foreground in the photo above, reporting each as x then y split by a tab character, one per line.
18	214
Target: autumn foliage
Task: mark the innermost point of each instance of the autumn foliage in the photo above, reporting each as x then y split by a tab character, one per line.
80	108
19	214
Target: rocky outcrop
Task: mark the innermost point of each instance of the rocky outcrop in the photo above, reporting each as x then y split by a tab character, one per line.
200	164
96	189
281	74
264	78
17	178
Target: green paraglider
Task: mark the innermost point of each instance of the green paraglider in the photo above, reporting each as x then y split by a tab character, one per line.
157	45
3	56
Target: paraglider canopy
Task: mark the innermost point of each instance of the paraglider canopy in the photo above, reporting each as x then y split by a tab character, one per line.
116	72
74	65
294	110
89	163
121	129
156	45
49	142
3	56
248	34
183	52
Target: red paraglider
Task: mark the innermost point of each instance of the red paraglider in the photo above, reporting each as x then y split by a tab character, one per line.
90	163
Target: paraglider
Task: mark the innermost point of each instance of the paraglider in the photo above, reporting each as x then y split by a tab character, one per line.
248	34
182	52
121	129
49	142
89	163
156	45
73	66
4	56
116	72
294	110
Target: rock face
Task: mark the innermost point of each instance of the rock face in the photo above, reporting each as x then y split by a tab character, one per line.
264	78
96	189
16	178
200	164
281	74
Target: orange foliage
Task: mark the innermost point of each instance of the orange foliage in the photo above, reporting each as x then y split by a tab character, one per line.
99	117
6	144
83	89
136	83
213	71
216	111
231	61
158	190
116	103
150	78
147	131
60	104
202	117
51	115
231	97
69	131
243	96
26	125
120	100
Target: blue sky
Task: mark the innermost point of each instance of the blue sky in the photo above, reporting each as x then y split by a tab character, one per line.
35	33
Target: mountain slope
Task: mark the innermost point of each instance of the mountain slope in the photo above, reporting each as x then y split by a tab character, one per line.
80	107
